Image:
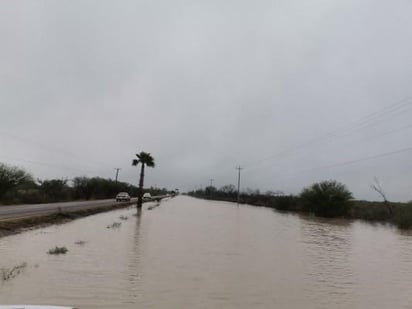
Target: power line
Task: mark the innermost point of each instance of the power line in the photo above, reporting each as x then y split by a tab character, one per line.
351	126
46	147
368	138
381	155
52	149
369	124
46	164
400	106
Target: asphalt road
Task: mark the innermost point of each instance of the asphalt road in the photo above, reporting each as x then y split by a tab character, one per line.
21	211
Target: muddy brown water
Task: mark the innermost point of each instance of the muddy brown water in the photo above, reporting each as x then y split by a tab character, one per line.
190	253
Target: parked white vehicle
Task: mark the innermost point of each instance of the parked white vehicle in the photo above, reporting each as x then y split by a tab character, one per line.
147	196
122	197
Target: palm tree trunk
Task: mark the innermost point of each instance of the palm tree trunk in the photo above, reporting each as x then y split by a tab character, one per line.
140	193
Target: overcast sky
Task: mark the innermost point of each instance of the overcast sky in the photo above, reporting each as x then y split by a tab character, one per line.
294	91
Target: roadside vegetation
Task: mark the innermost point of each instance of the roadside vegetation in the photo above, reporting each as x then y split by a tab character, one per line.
19	187
326	199
403	216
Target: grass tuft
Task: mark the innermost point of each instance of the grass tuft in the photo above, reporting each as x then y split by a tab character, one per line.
58	250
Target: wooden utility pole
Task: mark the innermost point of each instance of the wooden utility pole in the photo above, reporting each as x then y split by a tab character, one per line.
238	184
117	172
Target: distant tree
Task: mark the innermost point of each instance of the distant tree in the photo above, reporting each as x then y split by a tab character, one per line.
145	159
55	189
228	190
11	177
250	191
274	193
100	188
82	188
210	190
327	198
157	191
376	186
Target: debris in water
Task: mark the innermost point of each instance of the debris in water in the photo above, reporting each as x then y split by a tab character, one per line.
114	225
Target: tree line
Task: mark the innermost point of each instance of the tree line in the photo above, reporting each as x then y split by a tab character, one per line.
17	186
326	199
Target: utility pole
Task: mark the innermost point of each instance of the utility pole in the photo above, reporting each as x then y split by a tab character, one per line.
238	183
117	169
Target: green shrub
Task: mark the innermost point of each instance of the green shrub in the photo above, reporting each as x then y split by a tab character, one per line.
327	199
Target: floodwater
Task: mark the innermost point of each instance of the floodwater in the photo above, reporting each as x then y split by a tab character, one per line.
190	253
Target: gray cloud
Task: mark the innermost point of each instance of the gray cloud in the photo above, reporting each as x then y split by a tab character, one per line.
207	85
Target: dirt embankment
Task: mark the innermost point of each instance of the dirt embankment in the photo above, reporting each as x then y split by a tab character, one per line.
14	226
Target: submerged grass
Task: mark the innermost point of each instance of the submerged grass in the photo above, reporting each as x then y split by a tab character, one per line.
10	273
58	250
399	214
114	225
80	242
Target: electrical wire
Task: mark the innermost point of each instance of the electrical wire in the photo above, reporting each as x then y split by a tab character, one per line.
50	149
46	164
353	126
381	155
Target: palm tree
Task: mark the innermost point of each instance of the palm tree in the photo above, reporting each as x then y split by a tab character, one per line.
145	159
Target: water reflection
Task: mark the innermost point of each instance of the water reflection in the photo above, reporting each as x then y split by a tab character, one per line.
134	256
327	258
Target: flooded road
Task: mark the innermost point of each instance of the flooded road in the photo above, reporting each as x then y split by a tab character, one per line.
190	253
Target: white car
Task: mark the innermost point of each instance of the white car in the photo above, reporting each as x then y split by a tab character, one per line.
123	197
147	196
